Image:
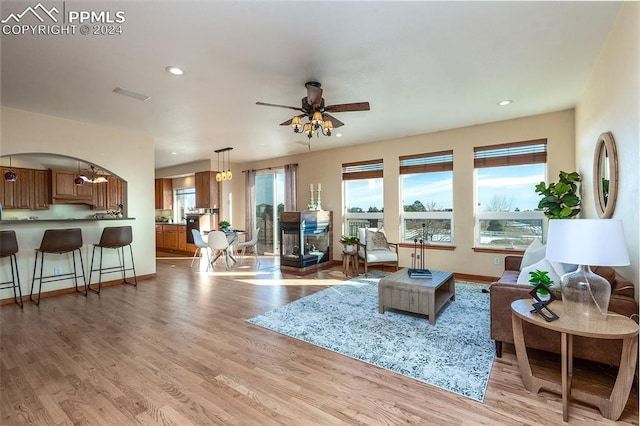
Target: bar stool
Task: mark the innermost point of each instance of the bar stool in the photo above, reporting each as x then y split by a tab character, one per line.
114	237
59	241
9	248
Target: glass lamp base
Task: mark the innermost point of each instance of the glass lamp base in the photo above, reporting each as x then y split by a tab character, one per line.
585	295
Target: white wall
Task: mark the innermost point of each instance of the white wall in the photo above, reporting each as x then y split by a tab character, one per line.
128	155
611	102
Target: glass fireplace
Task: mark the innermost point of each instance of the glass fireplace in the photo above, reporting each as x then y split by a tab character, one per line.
305	238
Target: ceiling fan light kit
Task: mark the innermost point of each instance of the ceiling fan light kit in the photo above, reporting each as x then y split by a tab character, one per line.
314	109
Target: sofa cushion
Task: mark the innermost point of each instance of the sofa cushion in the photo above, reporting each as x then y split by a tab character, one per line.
533	254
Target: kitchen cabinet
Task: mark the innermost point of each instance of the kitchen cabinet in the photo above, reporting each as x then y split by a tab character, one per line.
182	237
19	193
164	194
65	191
42	189
107	196
173	238
167	237
207	190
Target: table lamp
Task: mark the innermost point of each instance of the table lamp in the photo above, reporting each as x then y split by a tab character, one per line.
586	242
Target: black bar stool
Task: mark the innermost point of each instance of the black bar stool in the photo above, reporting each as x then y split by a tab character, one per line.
59	241
114	237
9	248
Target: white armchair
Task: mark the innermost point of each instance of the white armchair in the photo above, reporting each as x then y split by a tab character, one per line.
374	249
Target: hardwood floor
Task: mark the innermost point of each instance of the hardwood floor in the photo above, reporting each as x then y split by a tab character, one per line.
177	350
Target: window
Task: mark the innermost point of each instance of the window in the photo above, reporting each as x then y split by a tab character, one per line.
426	182
507	214
185	201
363	195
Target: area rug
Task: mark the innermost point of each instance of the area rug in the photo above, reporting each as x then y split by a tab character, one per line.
455	354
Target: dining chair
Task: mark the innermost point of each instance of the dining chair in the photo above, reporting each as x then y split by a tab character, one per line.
201	245
252	244
219	245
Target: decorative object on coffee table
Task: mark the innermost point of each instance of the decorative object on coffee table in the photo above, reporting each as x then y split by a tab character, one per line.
417	269
587	242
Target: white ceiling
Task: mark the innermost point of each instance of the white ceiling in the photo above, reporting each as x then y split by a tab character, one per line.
423	66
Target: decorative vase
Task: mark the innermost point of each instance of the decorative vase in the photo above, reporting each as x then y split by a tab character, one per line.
585	295
348	248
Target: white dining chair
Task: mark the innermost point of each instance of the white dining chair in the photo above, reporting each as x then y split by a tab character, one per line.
201	245
252	245
219	245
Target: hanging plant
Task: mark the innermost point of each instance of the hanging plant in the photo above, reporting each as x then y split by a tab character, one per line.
560	200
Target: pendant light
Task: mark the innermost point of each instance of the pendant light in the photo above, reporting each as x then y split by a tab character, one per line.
218	174
224	175
78	180
10	176
229	174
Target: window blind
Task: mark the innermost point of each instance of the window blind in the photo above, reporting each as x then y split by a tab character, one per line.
362	170
510	154
441	161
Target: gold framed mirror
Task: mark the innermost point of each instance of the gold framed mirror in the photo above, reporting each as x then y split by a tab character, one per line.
605	175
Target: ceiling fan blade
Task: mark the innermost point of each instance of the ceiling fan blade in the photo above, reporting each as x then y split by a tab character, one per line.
314	93
279	106
356	106
336	123
288	122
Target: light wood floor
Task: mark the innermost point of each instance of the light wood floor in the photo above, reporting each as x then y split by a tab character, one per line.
177	350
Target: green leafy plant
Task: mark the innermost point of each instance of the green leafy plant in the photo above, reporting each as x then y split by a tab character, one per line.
224	224
347	239
560	200
540	277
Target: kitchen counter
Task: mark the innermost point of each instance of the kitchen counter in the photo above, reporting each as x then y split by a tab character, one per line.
12	222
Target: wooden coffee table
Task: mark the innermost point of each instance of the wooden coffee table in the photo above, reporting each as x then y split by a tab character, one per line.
424	296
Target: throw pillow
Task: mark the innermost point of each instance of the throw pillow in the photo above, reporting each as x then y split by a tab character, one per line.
376	241
533	254
542	265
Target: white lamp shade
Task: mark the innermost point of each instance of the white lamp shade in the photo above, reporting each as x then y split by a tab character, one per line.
596	242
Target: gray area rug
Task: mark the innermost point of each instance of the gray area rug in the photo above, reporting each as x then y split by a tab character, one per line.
456	354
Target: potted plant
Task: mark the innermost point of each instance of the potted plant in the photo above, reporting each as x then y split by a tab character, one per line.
224	225
541	277
560	200
348	242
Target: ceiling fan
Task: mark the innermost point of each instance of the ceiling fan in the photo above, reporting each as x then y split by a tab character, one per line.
317	112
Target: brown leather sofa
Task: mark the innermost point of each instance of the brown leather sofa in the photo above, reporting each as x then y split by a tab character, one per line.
505	290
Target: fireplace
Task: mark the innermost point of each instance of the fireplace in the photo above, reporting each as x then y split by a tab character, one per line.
305	239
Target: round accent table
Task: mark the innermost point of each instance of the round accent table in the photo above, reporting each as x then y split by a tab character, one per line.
615	327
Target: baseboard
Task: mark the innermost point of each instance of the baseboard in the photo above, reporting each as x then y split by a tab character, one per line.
62	291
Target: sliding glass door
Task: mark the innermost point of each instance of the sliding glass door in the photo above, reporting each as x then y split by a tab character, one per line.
269	204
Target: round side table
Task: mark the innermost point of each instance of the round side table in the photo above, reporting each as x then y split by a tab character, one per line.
615	327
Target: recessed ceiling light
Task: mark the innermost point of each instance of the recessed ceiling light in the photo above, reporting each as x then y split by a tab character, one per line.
338	135
174	70
174	153
505	102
